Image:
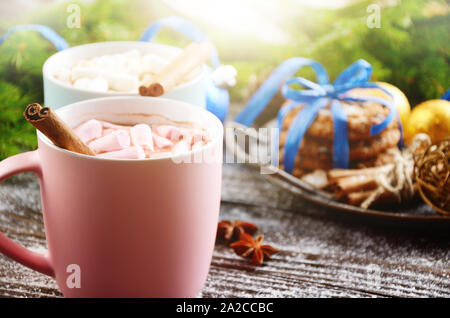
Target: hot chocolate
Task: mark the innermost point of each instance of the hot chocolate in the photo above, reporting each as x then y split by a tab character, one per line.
110	140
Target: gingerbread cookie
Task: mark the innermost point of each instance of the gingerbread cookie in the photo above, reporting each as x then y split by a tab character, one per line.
322	149
308	165
360	118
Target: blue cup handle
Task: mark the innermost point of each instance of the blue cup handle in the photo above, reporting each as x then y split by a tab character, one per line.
59	43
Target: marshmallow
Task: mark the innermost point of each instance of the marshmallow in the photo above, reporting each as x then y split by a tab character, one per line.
98	84
135	152
118	72
162	142
89	130
121	82
132	55
118	61
182	147
82	83
86	63
109	125
152	63
109	140
169	132
224	76
141	135
197	145
107	131
133	67
193	137
83	72
117	140
64	74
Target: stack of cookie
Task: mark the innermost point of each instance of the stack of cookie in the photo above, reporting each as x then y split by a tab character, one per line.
316	150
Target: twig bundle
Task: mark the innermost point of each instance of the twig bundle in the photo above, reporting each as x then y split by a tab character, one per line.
433	176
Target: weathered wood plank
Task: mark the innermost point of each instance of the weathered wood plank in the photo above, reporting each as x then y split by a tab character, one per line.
335	254
319	256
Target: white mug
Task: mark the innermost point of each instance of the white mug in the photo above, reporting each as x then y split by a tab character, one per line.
58	94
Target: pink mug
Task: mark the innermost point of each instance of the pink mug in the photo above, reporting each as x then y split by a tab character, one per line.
125	228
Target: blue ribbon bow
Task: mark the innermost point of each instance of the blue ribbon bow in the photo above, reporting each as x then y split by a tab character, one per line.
315	97
446	95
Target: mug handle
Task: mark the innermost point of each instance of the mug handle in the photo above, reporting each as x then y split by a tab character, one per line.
24	162
59	43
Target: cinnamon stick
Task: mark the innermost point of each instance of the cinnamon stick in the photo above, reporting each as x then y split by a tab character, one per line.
385	197
350	184
49	123
342	173
194	55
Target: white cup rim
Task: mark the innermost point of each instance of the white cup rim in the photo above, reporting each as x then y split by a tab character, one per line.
218	137
52	79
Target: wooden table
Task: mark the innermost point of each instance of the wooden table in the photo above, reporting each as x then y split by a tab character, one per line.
322	253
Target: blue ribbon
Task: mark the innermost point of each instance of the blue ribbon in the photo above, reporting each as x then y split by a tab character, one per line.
446	95
217	99
316	96
59	43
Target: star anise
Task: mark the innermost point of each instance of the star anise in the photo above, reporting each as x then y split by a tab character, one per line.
231	232
253	248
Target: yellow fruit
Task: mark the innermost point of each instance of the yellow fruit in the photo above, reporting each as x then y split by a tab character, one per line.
400	100
431	117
